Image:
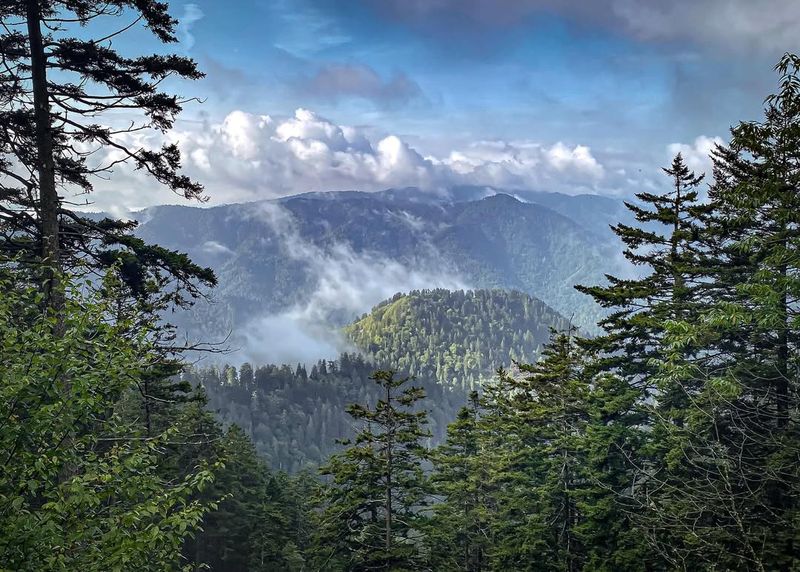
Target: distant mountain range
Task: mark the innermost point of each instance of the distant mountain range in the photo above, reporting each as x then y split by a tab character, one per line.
324	258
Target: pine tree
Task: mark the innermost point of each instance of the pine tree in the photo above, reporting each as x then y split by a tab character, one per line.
730	490
667	246
458	533
371	518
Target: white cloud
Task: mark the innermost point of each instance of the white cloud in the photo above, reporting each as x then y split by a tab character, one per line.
527	164
348	283
248	157
697	154
191	15
214	247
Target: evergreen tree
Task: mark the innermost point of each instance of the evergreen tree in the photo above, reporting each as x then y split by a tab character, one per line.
666	245
549	401
458	533
372	516
671	247
729	492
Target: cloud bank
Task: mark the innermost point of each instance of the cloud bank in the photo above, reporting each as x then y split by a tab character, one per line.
249	157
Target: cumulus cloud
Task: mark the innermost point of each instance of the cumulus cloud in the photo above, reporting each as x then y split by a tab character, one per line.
348	283
272	157
249	157
526	164
698	153
335	81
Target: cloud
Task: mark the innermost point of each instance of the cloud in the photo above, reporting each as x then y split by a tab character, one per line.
333	82
214	247
248	157
526	164
347	284
267	157
191	15
743	25
697	154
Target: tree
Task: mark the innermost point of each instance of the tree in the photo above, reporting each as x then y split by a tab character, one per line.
371	516
548	403
667	245
113	509
458	531
60	74
729	489
671	245
249	529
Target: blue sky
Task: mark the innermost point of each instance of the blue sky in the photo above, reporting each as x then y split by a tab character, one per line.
587	96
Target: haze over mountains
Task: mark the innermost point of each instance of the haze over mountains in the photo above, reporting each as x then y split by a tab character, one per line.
292	271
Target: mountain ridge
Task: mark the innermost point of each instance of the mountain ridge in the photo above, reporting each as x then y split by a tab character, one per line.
279	256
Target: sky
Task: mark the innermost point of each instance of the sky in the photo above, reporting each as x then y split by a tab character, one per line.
568	96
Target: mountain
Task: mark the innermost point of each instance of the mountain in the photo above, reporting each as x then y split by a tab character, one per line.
448	339
318	259
455	337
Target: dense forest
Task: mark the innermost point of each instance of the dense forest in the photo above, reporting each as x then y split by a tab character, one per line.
455	337
671	441
295	416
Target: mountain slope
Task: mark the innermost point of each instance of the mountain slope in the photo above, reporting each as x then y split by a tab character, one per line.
329	257
455	337
448	339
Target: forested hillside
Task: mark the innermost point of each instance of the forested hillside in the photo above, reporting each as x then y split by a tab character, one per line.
456	338
276	256
294	415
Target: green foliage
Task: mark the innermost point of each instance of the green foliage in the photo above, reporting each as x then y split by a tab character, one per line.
371	517
259	522
294	416
458	532
727	493
79	489
454	337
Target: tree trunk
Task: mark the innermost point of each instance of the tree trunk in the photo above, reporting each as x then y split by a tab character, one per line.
45	163
389	445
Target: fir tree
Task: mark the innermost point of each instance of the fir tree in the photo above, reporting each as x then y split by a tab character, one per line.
729	492
666	246
371	518
458	533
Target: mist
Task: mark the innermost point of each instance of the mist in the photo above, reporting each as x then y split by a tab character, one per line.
347	284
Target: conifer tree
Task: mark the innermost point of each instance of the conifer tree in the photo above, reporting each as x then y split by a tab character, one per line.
666	246
458	533
62	75
371	518
550	399
730	492
671	247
